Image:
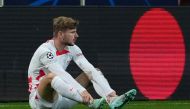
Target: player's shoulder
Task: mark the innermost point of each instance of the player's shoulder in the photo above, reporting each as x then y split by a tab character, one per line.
45	47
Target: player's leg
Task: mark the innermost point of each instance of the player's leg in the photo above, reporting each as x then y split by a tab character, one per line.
45	90
52	84
99	90
85	82
45	93
65	103
113	100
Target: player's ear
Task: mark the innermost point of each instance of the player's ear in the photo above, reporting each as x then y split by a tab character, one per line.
60	34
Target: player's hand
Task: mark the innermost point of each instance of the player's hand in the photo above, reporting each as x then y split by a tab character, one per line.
87	98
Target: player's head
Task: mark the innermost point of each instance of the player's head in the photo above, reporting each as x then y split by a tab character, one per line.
65	29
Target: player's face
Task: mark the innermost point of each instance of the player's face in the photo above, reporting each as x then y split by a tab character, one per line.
70	36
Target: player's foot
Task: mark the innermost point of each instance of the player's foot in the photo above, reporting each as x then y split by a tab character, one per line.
97	103
121	100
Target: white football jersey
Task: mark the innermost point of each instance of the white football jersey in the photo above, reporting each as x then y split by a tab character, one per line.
46	58
47	55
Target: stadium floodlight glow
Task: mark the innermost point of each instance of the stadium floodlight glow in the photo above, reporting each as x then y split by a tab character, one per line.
82	2
1	3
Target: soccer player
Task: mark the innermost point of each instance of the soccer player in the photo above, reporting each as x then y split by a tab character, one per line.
51	86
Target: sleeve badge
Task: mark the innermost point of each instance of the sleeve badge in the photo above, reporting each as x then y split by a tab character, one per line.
50	55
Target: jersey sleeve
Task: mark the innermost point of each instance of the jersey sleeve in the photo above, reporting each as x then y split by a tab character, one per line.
47	57
76	52
91	71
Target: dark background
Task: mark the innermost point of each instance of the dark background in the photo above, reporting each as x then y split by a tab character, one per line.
91	2
105	35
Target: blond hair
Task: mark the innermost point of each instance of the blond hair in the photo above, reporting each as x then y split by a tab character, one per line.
62	23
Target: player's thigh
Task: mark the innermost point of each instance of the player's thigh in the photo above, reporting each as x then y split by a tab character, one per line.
44	89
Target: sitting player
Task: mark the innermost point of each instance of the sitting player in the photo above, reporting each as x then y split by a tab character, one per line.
51	86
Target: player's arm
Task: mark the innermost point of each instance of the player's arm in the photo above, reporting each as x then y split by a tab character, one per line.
93	74
49	61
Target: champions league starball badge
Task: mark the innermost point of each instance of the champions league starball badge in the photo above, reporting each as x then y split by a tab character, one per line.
49	55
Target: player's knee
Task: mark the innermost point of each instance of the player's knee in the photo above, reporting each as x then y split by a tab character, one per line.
50	76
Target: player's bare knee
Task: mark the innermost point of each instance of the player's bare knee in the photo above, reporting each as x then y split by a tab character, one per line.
50	76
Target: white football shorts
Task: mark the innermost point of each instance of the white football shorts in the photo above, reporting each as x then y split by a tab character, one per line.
36	102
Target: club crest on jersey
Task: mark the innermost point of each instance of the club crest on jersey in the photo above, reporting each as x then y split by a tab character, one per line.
50	55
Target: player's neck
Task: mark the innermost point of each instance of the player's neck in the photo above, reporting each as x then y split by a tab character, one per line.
58	45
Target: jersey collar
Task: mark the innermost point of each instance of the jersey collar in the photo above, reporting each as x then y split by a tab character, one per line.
61	52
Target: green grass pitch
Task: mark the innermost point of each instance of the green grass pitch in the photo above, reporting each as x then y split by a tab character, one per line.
131	105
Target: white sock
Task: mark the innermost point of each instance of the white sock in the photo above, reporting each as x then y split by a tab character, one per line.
97	88
101	92
65	89
107	89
